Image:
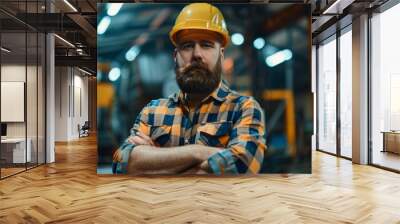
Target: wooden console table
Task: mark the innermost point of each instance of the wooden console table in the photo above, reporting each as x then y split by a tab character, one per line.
13	150
391	141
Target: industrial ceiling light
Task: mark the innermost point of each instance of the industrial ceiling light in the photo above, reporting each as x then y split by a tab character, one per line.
79	51
113	8
84	71
103	25
114	74
70	5
279	57
237	39
5	50
337	7
132	53
259	43
79	44
64	40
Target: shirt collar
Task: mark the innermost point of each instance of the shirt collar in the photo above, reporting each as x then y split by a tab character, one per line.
219	94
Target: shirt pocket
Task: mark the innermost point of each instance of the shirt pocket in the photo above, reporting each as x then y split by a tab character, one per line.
215	134
161	134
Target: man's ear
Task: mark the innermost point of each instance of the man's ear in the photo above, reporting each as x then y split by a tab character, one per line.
222	53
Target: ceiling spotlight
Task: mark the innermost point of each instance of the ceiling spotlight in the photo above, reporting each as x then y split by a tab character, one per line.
114	74
84	71
103	25
70	5
113	8
279	57
64	40
132	53
5	50
259	43
237	39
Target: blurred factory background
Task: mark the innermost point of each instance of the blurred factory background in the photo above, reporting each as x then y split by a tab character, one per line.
269	57
66	64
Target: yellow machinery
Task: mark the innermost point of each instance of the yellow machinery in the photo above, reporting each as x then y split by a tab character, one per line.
287	96
105	90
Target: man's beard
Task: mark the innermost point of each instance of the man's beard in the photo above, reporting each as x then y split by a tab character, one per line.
198	78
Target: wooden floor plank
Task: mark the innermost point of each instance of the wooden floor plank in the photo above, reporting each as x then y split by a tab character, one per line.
70	191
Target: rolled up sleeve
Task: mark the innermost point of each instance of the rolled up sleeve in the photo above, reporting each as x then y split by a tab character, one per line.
121	157
122	154
246	148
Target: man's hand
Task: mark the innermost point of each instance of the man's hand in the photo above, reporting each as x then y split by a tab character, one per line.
141	139
202	155
202	168
117	156
205	167
194	170
205	152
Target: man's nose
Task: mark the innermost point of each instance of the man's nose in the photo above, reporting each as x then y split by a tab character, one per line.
197	54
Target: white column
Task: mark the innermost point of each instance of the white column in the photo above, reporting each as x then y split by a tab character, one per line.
50	92
50	101
360	90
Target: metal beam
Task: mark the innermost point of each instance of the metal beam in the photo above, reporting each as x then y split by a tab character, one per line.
321	21
86	26
81	61
337	6
49	22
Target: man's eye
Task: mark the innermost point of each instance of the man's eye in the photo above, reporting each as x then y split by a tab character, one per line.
207	45
186	46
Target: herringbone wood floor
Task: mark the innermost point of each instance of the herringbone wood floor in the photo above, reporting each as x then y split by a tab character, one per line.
70	191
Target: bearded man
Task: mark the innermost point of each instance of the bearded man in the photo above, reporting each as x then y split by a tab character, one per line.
206	127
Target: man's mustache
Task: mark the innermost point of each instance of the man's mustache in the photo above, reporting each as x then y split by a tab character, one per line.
195	65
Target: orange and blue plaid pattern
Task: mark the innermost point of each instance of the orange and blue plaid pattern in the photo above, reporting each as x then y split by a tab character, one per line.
225	119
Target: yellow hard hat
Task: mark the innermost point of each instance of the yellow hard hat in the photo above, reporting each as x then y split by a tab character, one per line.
200	16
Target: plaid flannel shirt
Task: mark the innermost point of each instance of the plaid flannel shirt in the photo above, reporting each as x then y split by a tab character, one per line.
225	119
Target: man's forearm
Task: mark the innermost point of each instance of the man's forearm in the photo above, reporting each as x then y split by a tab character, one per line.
145	159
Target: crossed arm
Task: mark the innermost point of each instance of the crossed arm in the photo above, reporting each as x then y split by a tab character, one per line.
147	158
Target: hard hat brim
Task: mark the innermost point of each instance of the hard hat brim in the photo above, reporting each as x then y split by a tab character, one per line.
198	33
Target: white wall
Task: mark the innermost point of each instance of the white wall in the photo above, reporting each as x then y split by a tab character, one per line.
33	127
13	73
61	103
314	92
71	93
80	110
